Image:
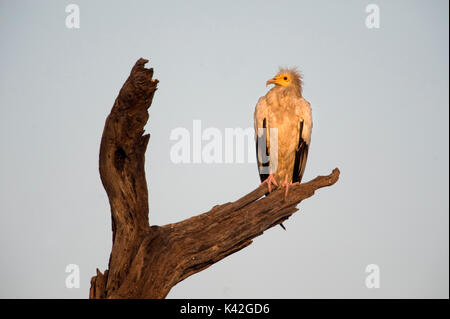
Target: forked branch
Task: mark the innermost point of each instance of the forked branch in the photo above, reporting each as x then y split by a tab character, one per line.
147	261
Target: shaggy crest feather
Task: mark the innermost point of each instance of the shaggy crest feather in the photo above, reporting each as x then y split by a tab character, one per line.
295	74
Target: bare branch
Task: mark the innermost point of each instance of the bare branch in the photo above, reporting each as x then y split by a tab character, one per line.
122	158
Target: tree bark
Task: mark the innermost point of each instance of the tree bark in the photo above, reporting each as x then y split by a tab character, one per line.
147	261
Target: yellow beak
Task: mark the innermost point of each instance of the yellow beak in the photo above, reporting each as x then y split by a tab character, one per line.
271	81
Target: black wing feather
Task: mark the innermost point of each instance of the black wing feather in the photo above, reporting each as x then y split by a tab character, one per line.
301	154
260	142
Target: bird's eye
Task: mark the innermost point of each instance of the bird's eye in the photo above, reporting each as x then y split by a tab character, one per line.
285	78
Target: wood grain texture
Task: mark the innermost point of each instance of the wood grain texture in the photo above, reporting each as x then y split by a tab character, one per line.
147	261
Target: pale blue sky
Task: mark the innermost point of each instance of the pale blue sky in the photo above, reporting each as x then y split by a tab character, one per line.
380	106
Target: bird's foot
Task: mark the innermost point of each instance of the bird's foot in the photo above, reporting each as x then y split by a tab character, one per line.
270	180
287	185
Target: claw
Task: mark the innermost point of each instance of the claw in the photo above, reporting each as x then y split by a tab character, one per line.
287	184
270	180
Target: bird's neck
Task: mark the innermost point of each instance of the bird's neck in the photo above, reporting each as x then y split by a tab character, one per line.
289	90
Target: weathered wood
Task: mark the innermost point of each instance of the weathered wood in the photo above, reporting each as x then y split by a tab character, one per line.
146	262
122	152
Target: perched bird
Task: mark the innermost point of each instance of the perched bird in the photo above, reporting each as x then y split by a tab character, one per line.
283	124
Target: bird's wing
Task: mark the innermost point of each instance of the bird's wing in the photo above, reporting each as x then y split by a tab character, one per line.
301	154
262	138
303	140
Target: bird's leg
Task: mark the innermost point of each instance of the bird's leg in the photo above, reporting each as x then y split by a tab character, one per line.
270	180
287	184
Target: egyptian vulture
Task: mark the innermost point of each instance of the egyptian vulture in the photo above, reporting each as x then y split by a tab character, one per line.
283	124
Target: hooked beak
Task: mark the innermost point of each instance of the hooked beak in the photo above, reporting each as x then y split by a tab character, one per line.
271	81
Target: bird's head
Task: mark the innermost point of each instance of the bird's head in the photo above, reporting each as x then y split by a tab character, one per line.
287	78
